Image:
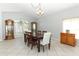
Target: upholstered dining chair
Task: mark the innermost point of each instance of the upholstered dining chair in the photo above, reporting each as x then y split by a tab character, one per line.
29	38
46	40
39	32
43	32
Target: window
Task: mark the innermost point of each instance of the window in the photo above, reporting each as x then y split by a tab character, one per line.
72	25
20	27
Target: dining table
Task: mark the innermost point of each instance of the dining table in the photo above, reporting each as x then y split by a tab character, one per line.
38	37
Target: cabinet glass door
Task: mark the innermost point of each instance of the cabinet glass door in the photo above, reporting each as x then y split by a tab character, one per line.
9	29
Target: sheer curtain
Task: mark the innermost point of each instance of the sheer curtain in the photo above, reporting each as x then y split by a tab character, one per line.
72	25
17	29
20	27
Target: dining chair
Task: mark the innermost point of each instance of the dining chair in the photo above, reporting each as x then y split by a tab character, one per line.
39	33
43	32
46	40
29	38
34	42
25	36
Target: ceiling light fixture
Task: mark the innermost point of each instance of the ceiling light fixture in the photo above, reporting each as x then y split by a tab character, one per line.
38	10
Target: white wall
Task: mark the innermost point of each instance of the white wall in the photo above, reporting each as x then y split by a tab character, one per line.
53	22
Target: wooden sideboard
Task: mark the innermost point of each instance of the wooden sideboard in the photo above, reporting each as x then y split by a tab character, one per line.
68	38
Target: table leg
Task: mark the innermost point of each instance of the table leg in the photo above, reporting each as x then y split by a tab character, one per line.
25	38
38	45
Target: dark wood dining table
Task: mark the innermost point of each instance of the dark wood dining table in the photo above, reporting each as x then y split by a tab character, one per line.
39	37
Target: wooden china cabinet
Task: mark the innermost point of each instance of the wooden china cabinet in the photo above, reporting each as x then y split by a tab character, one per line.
9	29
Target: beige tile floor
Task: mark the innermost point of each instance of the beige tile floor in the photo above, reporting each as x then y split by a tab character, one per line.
17	47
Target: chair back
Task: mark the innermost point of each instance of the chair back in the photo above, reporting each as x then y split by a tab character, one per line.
39	33
44	32
46	38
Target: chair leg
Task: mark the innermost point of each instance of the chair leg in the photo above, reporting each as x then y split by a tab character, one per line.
32	47
49	46
26	40
27	43
43	48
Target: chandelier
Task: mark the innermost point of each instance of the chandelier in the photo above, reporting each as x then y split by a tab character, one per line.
39	10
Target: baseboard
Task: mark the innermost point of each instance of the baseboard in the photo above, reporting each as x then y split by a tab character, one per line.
55	39
77	40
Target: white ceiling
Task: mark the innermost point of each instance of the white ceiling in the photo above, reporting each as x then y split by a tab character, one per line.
29	10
